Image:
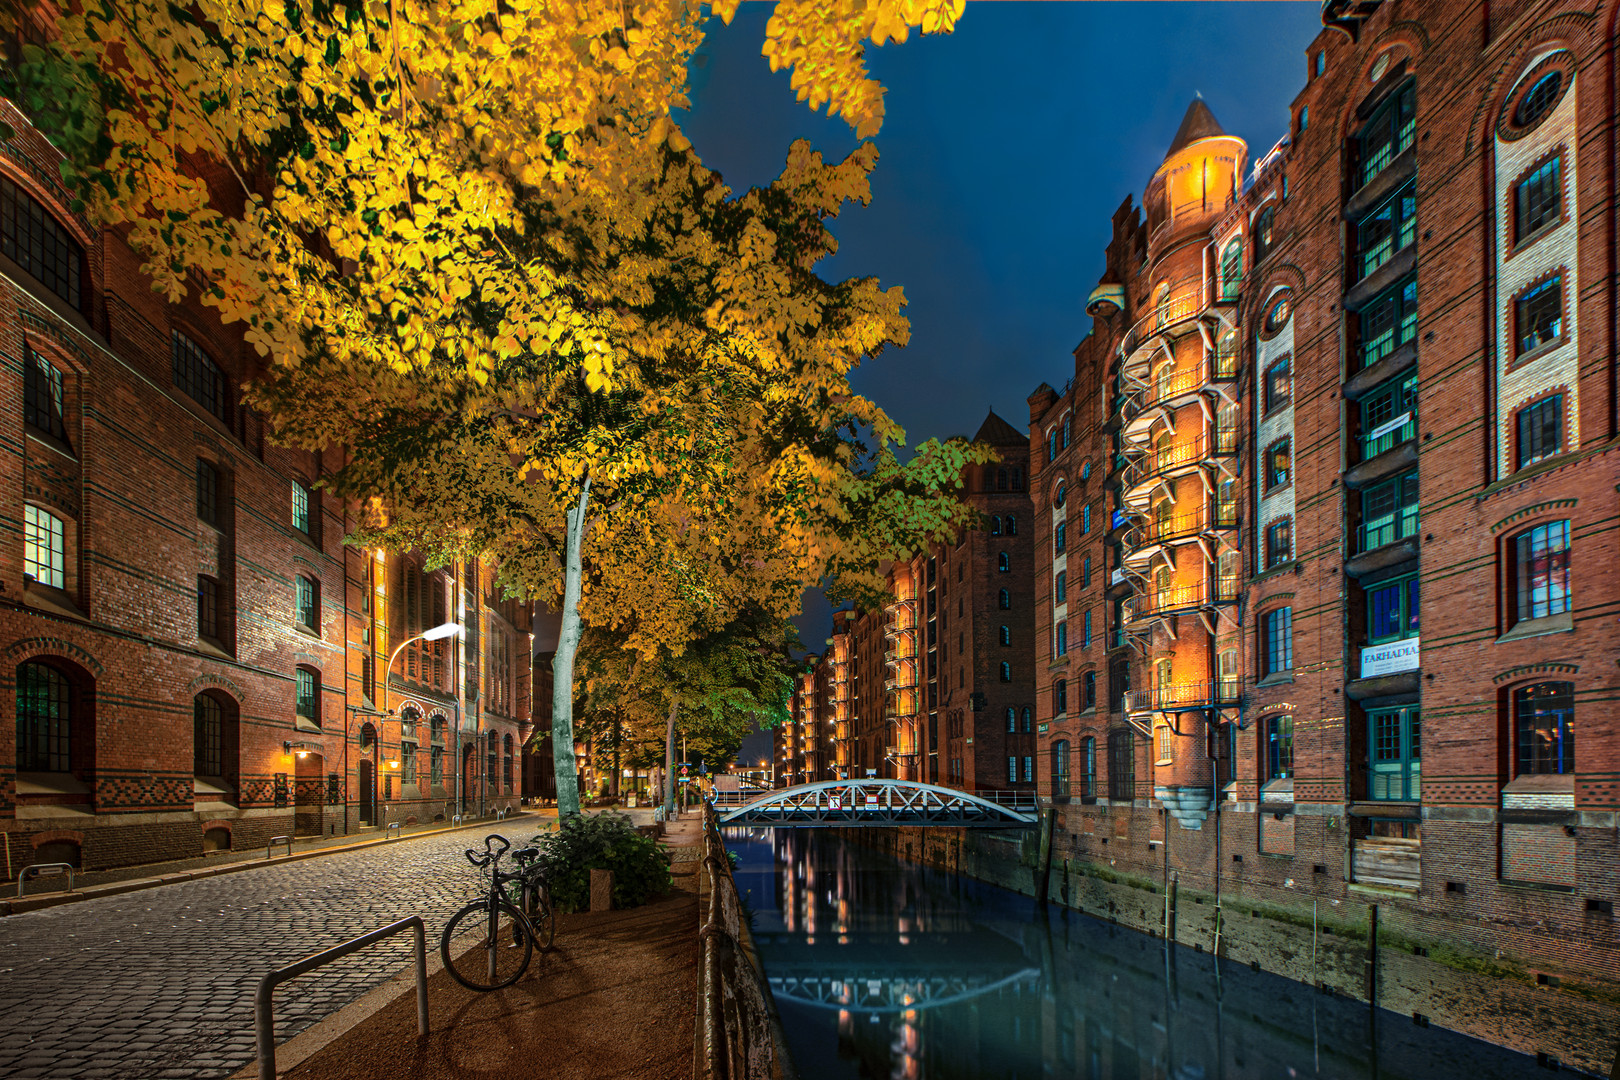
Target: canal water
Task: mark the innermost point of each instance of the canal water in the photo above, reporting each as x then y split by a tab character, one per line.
887	970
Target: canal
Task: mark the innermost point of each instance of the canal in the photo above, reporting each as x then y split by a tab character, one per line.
886	969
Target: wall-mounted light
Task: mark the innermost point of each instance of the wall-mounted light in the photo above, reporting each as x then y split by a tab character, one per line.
393	764
302	748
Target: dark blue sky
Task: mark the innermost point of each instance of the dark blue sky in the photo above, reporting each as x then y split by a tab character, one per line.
1005	149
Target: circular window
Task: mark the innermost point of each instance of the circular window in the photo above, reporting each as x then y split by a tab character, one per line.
1279	314
1085	471
1380	67
1060	495
1536	96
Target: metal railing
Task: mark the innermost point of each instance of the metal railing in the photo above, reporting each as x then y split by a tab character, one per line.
1195	695
274	840
1388	529
40	869
1172	312
264	1017
1161	459
739	1034
1012	800
1157	601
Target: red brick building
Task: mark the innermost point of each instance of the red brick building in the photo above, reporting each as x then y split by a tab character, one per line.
1377	363
191	651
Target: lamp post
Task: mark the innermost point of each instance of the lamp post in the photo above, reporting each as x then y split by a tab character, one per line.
443	630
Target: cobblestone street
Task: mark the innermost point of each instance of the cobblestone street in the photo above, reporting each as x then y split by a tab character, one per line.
158	984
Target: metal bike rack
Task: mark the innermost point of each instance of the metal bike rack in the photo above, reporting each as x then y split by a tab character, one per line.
264	1018
392	828
44	869
456	820
274	840
500	813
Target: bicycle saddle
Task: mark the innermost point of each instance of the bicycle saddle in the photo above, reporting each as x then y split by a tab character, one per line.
523	855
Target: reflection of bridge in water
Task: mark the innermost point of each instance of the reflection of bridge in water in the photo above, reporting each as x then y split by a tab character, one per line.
872	992
868	803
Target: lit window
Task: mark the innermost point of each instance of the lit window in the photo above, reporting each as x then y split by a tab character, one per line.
1544	716
1538	315
1232	270
1541	571
1540	430
306	602
1538	200
307	695
44	548
1277	644
1279	463
1279	747
1166	753
1389	321
1389	415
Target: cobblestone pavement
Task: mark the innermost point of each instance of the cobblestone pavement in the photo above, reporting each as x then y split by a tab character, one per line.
158	984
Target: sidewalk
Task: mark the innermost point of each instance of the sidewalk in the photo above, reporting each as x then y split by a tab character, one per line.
612	1001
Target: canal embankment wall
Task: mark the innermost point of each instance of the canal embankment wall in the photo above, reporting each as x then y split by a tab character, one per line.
1367	946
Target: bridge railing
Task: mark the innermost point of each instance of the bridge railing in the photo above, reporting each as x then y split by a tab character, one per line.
739	1034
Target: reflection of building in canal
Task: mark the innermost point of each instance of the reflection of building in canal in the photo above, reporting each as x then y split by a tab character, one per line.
824	886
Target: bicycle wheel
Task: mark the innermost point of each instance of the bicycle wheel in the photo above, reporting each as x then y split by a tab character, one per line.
480	949
537	906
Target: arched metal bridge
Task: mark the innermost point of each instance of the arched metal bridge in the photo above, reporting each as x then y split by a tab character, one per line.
857	803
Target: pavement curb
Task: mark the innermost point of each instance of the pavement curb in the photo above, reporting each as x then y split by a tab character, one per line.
114	888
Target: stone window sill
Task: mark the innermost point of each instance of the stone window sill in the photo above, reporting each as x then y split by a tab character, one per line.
49	598
1280	679
1529	628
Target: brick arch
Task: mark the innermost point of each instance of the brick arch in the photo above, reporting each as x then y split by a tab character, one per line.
18	172
1562	31
1527	671
210	681
1284	275
31	648
53	836
1407	46
219	823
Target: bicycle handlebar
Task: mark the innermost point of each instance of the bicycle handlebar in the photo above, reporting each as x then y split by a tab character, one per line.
490	854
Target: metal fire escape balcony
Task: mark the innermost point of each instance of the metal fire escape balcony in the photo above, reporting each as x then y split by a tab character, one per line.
1171	319
1171	388
1184	697
1154	533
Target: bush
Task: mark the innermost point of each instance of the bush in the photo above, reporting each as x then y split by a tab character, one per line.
602	842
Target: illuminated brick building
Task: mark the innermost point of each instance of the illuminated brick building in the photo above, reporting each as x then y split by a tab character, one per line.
1381	359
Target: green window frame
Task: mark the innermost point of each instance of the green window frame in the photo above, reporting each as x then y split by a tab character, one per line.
1394	754
306	693
1389	511
1392	610
1389	132
1387	230
1389	321
1381	410
1232	270
1538	199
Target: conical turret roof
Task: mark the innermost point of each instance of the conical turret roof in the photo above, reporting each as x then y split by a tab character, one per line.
997	432
1199	123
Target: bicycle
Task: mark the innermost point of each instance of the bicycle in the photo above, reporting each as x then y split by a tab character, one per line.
485	963
530	893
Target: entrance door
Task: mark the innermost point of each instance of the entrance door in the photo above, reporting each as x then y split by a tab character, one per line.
368	793
469	778
309	795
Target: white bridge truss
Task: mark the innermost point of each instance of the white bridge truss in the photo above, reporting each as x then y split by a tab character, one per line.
856	803
886	994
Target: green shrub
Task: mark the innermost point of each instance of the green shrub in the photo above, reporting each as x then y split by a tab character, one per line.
602	842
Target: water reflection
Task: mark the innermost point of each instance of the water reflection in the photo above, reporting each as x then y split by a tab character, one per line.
884	969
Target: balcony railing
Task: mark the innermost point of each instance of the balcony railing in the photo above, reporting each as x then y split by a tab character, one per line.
1389	528
1388	435
1171	383
1226	588
1162	459
1160	601
1155	530
1176	696
1163	317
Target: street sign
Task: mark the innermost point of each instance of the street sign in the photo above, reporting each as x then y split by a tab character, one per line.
834	803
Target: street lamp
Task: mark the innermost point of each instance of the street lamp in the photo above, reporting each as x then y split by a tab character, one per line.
443	630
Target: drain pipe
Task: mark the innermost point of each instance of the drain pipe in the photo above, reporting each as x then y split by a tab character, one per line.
1215	799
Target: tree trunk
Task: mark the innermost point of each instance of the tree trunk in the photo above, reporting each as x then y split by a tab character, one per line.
562	666
669	762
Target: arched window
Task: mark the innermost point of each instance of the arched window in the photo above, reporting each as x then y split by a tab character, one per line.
1060	587
1006	671
208	736
995	526
1012	720
44	719
1231	270
199	378
307	695
1002	563
1001	479
1060	494
1026	719
1060	697
32	237
43	395
1060	769
436	729
1121	765
368	737
1088	768
1066	420
506	763
1011	525
1004	601
1006	635
1263	224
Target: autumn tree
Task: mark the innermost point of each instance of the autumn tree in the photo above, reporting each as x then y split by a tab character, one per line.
475	248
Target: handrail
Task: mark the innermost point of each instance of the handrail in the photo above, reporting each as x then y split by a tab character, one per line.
1178	310
1194	695
274	840
54	867
264	1019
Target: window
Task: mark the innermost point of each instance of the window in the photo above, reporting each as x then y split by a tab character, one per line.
42	395
1279	543
1321	61
1060	494
1389	133
1394	740
1279	313
1051	446
1389	511
1263	224
1540	430
1227	676
32	238
1088	766
44	719
1392	610
1006	671
1060	641
1018	478
1012	520
1231	270
207	609
1279	463
1066	420
1085	572
1012	720
1004	600
1029	769
1060	587
1279	747
1539	101
1088	691
1389	321
1121	765
1387	230
1085	631
1304	118
207	492
208	736
1119	684
1279	385
198	377
1006	635
307	695
1389	415
1026	719
301	518
995	526
1085	519
1012	770
1060	538
407	767
44	548
1060	769
1165	754
436	765
1544	725
1538	315
306	603
1541	571
1538	200
1060	697
1277	644
436	729
1003	565
1001	479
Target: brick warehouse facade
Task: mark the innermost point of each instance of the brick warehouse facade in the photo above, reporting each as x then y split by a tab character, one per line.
191	650
1379	361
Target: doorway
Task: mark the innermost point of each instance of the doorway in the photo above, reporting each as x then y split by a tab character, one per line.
368	793
309	795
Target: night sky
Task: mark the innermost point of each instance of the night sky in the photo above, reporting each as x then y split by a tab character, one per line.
1005	150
